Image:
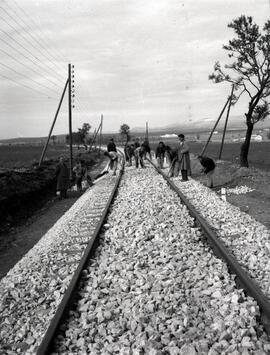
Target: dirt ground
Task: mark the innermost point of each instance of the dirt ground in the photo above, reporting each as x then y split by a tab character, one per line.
257	202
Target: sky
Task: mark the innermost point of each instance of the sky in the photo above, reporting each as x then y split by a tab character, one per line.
135	61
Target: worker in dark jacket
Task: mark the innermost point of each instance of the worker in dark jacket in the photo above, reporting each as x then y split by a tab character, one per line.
79	171
160	154
208	165
111	147
147	149
183	162
62	176
137	143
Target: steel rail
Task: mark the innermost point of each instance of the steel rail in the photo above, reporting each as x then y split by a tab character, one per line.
242	278
67	300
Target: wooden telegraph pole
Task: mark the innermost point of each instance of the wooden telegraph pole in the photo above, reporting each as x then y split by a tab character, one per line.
52	126
70	118
92	140
69	84
146	131
219	117
100	134
225	125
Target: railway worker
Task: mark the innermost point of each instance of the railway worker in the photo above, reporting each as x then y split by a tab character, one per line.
111	147
129	152
147	149
183	159
132	152
80	171
171	155
137	143
160	154
113	156
209	166
126	151
139	154
62	176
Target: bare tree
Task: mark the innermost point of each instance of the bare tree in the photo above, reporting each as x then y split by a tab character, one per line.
248	71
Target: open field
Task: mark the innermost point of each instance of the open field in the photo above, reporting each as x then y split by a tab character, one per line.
18	156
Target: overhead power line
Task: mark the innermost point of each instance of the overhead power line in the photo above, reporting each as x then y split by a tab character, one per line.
29	19
28	87
29	34
18	61
28	58
37	38
23	36
25	76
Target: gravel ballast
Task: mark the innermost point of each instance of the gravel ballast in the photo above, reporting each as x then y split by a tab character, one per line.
32	290
246	238
154	287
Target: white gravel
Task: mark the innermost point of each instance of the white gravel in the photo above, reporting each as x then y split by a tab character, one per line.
155	288
32	290
238	190
248	239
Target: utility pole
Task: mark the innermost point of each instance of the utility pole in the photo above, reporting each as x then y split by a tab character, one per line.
100	134
70	116
94	138
225	125
219	117
146	131
52	126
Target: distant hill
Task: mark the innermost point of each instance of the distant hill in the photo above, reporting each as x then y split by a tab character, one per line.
206	124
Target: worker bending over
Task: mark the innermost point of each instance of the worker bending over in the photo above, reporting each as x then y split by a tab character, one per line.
112	165
209	166
160	154
139	154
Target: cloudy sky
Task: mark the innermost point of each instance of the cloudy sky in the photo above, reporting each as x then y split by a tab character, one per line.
134	61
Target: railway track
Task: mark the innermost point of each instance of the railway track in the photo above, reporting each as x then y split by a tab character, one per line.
36	293
131	299
113	311
220	249
99	215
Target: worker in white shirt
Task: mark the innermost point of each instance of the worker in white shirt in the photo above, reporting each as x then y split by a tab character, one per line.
113	156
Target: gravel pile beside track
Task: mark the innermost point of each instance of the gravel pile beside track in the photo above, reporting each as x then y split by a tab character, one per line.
32	290
155	288
248	239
